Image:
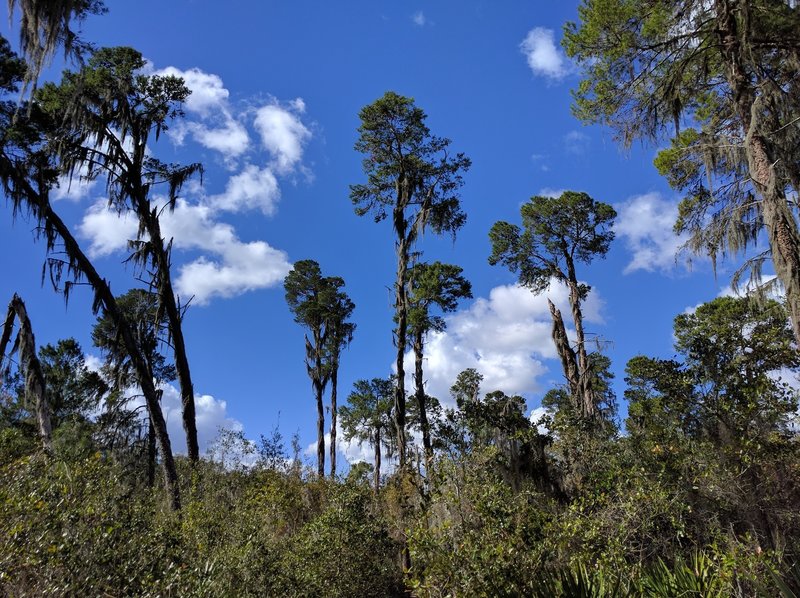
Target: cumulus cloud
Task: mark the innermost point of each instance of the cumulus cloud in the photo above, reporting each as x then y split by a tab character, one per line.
107	230
252	188
544	58
352	451
208	92
216	124
538	418
211	415
229	138
229	267
73	188
504	337
241	267
226	266
282	133
217	128
644	223
419	18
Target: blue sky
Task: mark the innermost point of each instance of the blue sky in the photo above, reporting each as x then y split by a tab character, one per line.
277	87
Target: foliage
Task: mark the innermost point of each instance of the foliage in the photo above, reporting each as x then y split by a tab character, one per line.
559	232
345	551
28	171
321	306
717	80
367	417
699	497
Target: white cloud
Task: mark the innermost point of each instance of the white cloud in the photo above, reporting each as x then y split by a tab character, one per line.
576	142
230	139
645	224
252	188
352	451
231	268
550	192
107	230
236	267
226	266
537	418
217	128
242	267
282	133
73	188
208	92
504	337
419	18
544	58
211	414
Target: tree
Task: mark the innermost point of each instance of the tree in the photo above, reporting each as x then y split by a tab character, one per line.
340	336
411	176
319	305
436	284
45	25
35	389
558	234
104	117
733	347
580	446
499	421
141	309
726	71
27	173
367	415
724	398
72	389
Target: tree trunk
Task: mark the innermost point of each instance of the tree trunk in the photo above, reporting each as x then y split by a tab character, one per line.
567	355
334	400
422	399
781	225
35	389
174	319
785	243
319	390
401	309
782	232
376	475
151	454
17	182
585	393
316	372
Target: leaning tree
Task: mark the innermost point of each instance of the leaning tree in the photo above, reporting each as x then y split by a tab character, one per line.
25	344
103	118
140	307
27	174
